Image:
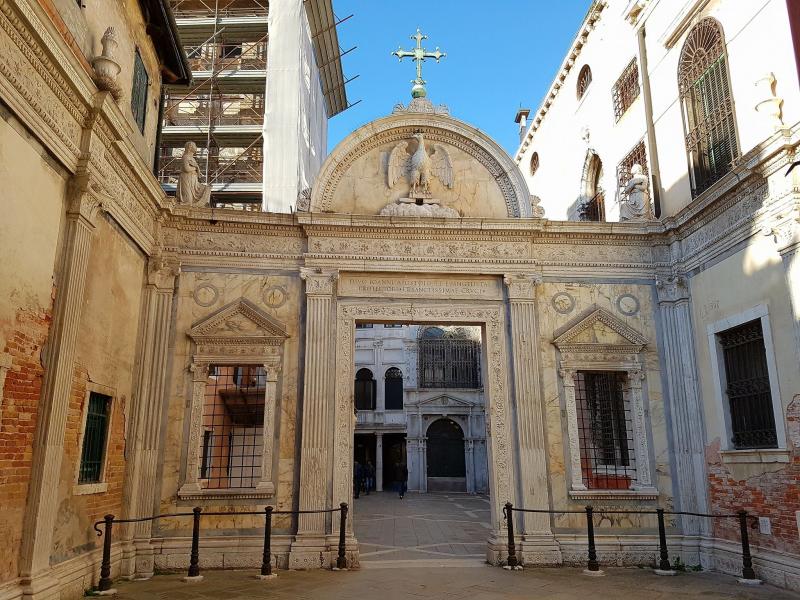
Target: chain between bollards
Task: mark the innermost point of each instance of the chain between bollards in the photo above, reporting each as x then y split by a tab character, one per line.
512	561
341	559
194	559
105	568
266	559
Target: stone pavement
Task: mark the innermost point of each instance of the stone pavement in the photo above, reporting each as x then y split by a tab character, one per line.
420	528
471	583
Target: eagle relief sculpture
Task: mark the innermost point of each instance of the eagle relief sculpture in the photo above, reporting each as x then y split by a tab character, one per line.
419	169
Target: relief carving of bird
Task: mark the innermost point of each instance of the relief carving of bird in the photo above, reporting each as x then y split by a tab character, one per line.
420	167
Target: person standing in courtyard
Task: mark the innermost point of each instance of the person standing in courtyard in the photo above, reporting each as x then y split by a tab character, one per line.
358	473
401	476
369	476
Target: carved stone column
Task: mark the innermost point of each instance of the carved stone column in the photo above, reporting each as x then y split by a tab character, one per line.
686	414
148	401
266	483
576	475
641	453
469	461
317	427
48	442
191	482
378	461
532	482
423	460
787	235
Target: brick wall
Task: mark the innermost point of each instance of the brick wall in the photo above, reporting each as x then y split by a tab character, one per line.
775	494
18	413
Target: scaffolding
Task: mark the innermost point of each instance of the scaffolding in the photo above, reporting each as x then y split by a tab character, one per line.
223	111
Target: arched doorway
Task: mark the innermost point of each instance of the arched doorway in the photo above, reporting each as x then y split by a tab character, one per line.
446	466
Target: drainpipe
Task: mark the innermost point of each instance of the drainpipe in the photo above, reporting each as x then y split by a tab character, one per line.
655	172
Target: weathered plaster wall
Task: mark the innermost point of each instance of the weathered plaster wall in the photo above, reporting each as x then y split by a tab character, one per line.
770	489
200	295
105	362
34	189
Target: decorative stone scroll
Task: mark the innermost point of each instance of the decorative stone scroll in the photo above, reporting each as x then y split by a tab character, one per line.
602	342
237	333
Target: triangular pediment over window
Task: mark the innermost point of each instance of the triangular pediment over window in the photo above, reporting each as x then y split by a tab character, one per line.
240	321
445	400
597	330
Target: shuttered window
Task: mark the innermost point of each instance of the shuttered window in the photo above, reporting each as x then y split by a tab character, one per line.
707	103
747	387
139	91
94	439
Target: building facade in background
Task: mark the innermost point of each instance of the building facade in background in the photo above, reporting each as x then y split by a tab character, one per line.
418	394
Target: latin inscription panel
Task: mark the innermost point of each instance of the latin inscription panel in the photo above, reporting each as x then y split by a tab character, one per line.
421	286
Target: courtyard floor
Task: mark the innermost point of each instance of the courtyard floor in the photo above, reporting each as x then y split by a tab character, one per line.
424	546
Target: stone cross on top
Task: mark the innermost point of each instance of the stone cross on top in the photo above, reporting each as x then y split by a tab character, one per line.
418	55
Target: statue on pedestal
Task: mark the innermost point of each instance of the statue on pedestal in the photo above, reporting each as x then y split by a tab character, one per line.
190	190
635	203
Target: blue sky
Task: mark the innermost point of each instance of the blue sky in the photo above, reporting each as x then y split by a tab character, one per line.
500	54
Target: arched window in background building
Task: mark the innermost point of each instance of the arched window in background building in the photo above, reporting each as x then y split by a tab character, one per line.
584	79
592	206
364	393
534	163
393	389
707	104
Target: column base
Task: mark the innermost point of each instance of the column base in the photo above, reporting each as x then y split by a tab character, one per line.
41	587
310	552
539	549
144	561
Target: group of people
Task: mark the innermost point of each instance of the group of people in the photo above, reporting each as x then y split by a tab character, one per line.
364	478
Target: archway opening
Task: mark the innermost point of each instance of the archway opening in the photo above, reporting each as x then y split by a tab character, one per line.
447	470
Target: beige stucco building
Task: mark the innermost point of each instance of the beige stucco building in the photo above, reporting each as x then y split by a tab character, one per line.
159	355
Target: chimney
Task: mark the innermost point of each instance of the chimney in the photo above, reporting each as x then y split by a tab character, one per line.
522	119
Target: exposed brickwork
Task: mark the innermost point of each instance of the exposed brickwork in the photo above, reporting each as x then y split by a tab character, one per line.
85	509
18	413
775	494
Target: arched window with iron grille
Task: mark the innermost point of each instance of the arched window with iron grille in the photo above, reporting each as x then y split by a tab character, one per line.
584	79
364	393
393	389
707	104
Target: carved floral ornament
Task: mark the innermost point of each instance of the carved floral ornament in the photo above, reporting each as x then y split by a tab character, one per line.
436	129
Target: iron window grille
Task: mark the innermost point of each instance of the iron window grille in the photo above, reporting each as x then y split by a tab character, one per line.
604	430
584	79
139	91
393	389
233	421
365	388
95	434
626	89
638	155
449	363
747	387
534	163
593	209
707	105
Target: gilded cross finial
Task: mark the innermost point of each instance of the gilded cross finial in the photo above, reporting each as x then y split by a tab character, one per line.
418	55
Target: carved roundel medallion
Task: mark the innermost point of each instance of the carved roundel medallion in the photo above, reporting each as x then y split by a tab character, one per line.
563	303
274	296
628	305
205	294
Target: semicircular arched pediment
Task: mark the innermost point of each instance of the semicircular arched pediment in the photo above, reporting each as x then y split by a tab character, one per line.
484	181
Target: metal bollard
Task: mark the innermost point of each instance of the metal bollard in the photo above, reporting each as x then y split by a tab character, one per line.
512	548
341	559
105	568
194	559
592	565
266	559
663	563
747	560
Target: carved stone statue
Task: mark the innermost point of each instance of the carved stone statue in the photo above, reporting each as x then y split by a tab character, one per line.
419	167
635	203
190	190
105	66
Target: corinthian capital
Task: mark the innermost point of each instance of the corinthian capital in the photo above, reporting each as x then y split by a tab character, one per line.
672	288
319	282
162	271
522	286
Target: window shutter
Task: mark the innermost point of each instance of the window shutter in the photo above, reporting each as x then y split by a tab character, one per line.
139	91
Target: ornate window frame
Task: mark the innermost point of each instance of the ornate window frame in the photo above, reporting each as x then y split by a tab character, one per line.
625	356
238	333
